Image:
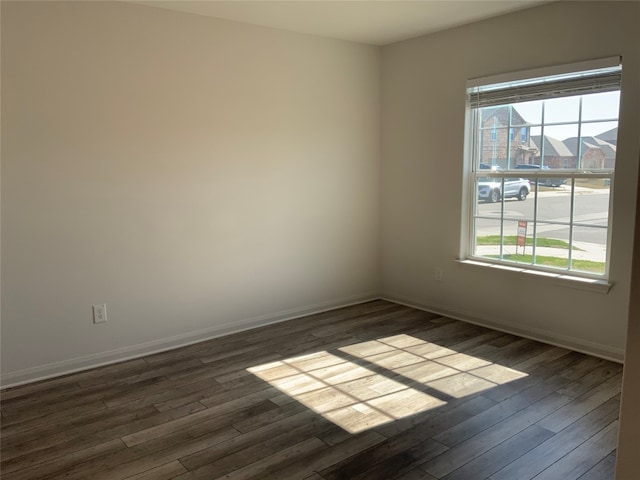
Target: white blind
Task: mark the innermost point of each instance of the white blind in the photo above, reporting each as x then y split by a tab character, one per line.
578	83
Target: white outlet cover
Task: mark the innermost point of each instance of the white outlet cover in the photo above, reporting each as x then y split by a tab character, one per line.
100	313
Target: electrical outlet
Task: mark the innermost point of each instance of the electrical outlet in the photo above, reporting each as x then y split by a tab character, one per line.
437	274
100	313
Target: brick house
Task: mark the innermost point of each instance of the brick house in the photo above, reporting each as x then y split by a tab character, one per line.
595	152
556	153
506	140
500	143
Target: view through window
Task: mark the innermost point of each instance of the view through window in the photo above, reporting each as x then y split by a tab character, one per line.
543	160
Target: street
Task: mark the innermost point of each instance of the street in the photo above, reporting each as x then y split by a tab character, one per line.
554	212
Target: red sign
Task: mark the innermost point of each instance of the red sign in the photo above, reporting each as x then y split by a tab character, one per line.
522	233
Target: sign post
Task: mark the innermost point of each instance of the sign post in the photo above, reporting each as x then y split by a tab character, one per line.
522	236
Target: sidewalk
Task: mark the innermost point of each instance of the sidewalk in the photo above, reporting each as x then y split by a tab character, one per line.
566	190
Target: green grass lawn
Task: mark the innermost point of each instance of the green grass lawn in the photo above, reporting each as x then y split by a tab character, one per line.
513	240
556	262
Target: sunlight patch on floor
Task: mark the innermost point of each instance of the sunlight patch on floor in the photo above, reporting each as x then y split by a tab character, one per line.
357	398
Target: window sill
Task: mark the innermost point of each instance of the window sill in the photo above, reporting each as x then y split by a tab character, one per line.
581	283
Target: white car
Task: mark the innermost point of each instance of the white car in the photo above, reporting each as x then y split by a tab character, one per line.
490	189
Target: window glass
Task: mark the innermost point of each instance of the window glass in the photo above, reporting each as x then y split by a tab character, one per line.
565	109
600	106
528	113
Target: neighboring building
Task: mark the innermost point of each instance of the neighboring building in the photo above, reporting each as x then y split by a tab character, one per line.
506	141
595	152
556	153
499	143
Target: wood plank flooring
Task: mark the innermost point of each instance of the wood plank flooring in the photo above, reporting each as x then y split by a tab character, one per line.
372	391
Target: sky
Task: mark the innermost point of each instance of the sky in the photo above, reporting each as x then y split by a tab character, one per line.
596	106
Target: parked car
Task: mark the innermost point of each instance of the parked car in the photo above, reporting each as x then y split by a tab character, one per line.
490	189
548	182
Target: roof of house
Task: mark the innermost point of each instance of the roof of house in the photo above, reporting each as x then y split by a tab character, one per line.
608	149
502	113
610	136
552	146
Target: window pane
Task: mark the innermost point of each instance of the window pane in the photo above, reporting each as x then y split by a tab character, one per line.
605	131
515	209
565	109
487	241
554	205
591	214
512	251
591	204
494	144
598	150
489	197
559	143
527	113
590	250
600	106
552	245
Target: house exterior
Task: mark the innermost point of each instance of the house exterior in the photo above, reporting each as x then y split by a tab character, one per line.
553	153
594	152
506	141
505	138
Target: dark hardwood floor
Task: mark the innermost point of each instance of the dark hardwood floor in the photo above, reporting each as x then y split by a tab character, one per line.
373	391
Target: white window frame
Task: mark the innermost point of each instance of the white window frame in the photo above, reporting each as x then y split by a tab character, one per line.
470	194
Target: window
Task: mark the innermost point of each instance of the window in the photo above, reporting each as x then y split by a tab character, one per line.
546	206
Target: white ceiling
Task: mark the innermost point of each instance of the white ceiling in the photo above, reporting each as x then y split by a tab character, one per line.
366	21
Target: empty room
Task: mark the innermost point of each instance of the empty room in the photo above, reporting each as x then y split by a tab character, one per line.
320	240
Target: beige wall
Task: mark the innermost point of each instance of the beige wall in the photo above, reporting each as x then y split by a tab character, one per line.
196	175
423	135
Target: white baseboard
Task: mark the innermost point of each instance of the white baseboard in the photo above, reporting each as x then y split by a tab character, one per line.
43	372
552	338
